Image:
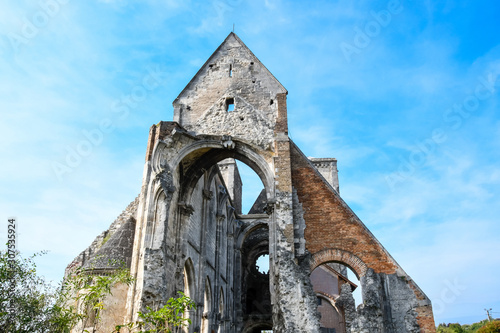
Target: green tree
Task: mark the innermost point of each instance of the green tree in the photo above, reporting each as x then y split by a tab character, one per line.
28	303
457	328
490	327
474	327
90	289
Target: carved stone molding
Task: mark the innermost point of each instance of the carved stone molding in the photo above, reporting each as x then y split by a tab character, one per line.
185	209
221	202
230	215
227	142
166	181
207	194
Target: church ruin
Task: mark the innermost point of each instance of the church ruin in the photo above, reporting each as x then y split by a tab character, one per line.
186	230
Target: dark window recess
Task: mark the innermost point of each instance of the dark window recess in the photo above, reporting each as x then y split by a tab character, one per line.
327	330
229	104
318	299
230	70
271	102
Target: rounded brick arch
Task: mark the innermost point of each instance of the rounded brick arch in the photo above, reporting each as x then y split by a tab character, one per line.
340	256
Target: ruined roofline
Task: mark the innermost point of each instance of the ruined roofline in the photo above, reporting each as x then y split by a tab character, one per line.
399	270
86	255
198	73
343	203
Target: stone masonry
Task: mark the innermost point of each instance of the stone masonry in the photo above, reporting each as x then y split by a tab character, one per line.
186	231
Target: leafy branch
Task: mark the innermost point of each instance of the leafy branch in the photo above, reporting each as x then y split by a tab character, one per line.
170	318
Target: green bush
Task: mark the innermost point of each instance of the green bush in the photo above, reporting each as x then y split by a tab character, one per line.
168	319
27	302
491	327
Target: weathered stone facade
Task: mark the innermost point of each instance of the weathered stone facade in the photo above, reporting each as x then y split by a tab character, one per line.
190	234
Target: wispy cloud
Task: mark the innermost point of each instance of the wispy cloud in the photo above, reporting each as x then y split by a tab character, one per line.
63	77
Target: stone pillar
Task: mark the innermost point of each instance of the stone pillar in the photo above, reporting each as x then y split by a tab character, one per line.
292	296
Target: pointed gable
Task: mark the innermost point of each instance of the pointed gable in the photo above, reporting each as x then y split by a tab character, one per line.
232	91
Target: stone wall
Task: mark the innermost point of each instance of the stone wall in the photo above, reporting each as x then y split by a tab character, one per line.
190	235
85	256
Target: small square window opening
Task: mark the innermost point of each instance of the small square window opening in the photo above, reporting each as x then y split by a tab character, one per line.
229	104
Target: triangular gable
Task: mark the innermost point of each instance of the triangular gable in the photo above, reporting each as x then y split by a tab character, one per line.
232	94
214	55
330	222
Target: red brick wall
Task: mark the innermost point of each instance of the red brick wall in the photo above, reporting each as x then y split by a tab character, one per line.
282	166
329	222
425	319
282	119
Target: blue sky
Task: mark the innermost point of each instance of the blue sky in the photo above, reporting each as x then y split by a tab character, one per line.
404	94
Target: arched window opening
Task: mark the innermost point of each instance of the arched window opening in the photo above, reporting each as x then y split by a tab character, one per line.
221	303
328	280
207	307
159	217
244	186
222	319
189	286
257	308
253	194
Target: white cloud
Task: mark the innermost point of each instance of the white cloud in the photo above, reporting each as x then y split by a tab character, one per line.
439	223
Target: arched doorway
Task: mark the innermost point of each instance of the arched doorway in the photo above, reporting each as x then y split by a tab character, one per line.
335	279
226	241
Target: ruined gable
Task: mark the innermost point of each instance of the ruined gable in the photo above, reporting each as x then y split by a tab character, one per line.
190	234
232	94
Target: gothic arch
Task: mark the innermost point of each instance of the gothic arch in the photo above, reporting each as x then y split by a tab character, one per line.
207	307
253	226
337	255
222	303
157	215
206	153
189	279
